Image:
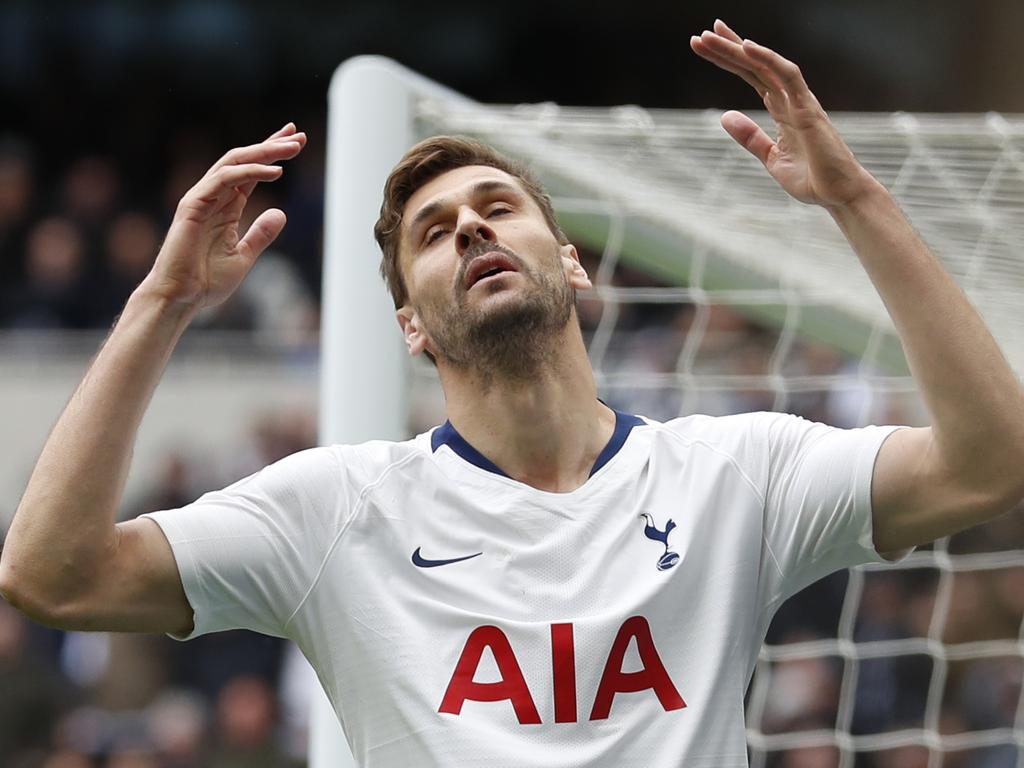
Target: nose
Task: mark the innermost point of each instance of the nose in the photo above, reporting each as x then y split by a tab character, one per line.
470	228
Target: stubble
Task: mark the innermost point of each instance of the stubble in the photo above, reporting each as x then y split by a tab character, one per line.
512	337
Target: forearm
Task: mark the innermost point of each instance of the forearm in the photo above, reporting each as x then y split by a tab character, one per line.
973	396
64	527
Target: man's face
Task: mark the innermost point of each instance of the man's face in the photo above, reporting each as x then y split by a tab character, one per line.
486	277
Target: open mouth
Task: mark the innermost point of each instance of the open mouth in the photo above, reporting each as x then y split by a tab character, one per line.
490	273
487	266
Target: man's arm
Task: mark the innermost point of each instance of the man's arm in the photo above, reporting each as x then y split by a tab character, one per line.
64	562
966	467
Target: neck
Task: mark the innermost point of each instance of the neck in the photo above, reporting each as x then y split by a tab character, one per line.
546	430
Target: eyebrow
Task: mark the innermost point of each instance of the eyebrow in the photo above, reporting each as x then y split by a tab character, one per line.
479	189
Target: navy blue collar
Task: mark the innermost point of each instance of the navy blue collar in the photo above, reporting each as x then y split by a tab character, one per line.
446	434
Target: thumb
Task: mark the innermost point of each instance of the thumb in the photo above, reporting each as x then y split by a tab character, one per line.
748	135
262	232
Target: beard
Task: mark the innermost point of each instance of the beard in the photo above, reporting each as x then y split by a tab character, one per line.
508	339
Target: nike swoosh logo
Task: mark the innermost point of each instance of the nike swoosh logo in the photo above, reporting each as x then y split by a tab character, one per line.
424	563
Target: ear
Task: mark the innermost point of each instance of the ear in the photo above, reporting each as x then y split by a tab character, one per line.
575	272
416	338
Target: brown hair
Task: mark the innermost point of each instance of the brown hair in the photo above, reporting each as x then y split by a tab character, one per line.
424	162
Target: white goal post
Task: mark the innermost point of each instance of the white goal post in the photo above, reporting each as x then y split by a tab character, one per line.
761	305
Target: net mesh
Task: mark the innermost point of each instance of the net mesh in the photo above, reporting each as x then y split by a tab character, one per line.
716	293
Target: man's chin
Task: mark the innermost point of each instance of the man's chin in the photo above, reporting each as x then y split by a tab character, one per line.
509	307
488	300
508	327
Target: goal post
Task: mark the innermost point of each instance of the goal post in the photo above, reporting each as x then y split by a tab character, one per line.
364	369
716	293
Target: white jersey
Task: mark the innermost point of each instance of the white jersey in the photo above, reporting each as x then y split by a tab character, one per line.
457	617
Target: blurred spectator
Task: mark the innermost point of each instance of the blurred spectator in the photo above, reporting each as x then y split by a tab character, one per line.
177	728
131	758
67	759
809	358
999	756
190	165
34	694
208	663
892	690
89	193
85	656
246	722
989	694
272	437
17	199
175	485
51	295
810	757
76	268
86	729
134	674
130	247
902	757
803	694
979	608
297	688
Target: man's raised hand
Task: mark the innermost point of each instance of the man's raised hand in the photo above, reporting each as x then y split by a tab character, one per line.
204	256
809	159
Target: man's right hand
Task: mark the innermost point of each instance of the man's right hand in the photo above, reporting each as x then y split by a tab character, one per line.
64	561
204	257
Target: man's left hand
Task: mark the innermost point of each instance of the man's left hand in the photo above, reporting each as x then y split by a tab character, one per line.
809	159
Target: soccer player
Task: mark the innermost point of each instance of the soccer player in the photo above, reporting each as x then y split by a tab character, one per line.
540	581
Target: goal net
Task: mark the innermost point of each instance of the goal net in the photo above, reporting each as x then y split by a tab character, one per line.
716	293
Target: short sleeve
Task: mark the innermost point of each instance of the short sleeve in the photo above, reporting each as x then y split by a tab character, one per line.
818	499
247	554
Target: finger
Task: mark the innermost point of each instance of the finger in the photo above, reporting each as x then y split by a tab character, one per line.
738	56
707	54
723	29
232	209
262	232
246	189
748	135
298	137
222	184
783	69
235	205
286	129
269	151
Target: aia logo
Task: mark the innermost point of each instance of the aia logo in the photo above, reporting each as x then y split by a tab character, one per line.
512	685
651	531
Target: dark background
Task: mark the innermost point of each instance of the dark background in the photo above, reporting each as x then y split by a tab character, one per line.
138	80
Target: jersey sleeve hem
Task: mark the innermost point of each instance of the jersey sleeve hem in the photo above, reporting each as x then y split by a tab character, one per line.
866	461
858	546
191	580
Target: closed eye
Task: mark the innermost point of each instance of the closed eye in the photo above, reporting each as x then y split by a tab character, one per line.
435	234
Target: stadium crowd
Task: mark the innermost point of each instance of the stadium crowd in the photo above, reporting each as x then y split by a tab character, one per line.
74	245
